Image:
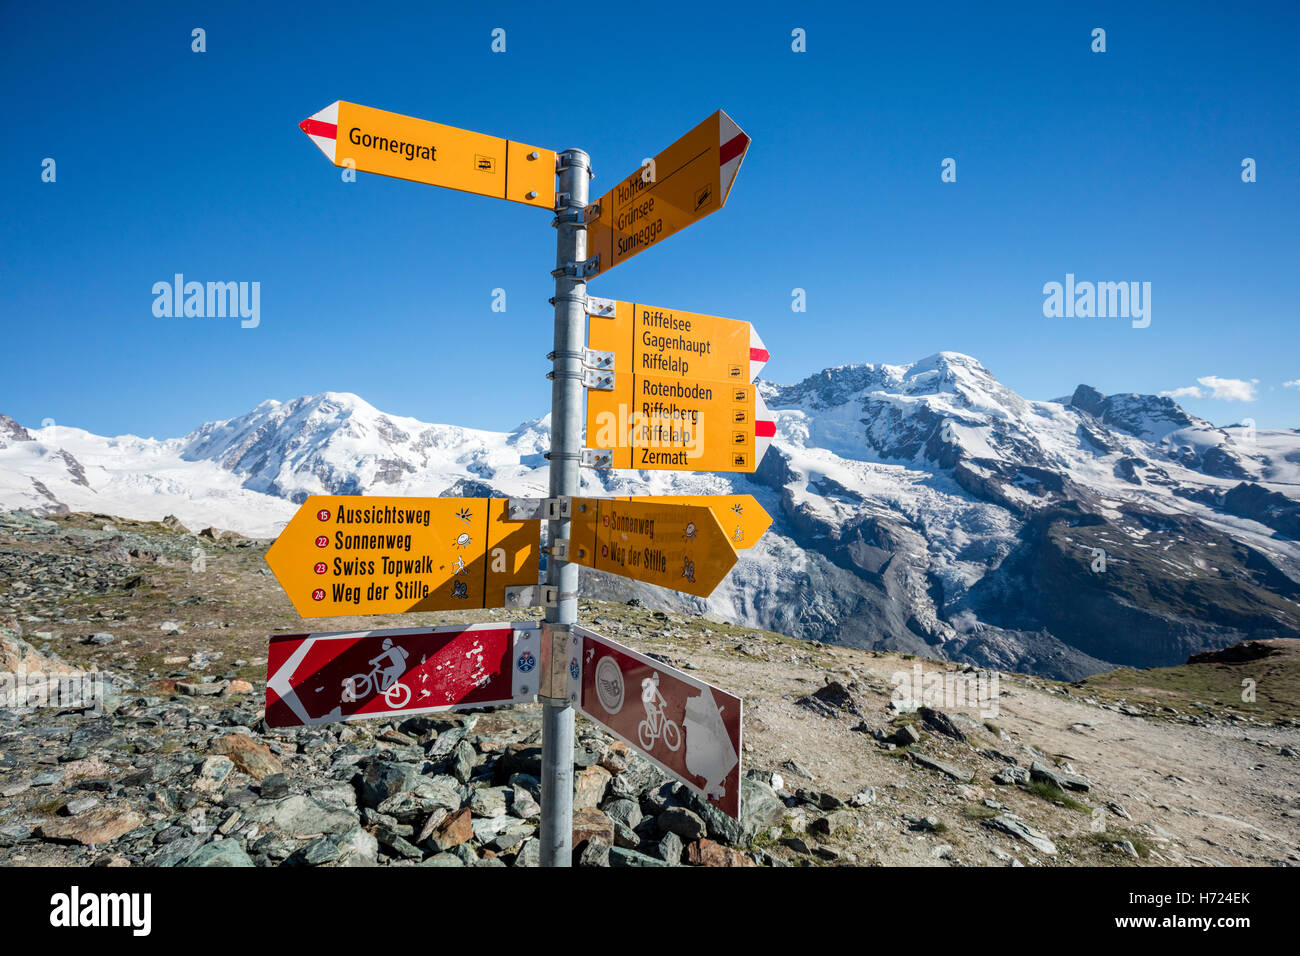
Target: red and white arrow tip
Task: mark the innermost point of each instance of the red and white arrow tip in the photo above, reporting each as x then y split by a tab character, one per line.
764	428
733	142
323	128
758	354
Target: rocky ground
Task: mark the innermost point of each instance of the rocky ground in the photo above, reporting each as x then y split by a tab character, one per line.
1135	768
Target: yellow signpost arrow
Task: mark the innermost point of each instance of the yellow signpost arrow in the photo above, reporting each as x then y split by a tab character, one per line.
680	186
390	144
652	340
344	555
740	516
678	424
675	546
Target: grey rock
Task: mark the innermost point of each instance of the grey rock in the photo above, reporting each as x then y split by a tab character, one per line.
511	837
462	762
947	769
940	723
318	852
798	844
670	848
489	801
658	799
78	805
341	796
722	828
530	853
760	807
595	853
623	811
274	786
1021	831
618	856
823	801
1010	776
445	859
382	779
301	817
396	844
219	853
639	775
523	804
833	822
445	743
466	854
1060	780
177	850
906	735
625	836
683	823
798	769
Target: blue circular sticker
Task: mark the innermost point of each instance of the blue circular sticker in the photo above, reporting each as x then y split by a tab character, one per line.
527	662
573	668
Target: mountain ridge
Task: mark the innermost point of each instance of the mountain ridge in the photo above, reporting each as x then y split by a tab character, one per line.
923	507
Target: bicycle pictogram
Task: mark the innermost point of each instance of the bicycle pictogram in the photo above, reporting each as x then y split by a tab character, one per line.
656	723
385	679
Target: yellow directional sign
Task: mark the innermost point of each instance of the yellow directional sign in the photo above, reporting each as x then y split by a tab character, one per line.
741	517
675	546
683	184
678	424
390	144
652	340
343	555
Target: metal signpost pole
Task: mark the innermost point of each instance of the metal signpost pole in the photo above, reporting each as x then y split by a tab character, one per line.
574	170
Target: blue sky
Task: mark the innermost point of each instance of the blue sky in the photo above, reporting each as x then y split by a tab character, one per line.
1115	166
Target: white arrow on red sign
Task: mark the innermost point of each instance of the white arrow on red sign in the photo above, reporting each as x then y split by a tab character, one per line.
355	675
690	729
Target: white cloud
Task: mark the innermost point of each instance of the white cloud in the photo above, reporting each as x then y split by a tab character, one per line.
1230	389
1224	389
1294	383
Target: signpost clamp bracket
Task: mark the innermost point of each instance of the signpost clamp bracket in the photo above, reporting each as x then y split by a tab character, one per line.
571	216
598	380
601	307
598	359
539	509
578	270
523	595
597	458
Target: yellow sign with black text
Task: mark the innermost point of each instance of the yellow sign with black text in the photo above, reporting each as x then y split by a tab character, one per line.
652	340
675	546
675	424
343	555
680	186
390	144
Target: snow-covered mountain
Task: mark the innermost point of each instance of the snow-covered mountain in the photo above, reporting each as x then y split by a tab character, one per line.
922	507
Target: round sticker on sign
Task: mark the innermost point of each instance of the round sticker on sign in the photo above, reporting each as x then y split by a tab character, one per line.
609	685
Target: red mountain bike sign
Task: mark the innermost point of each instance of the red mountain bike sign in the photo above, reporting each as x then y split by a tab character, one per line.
690	729
355	675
